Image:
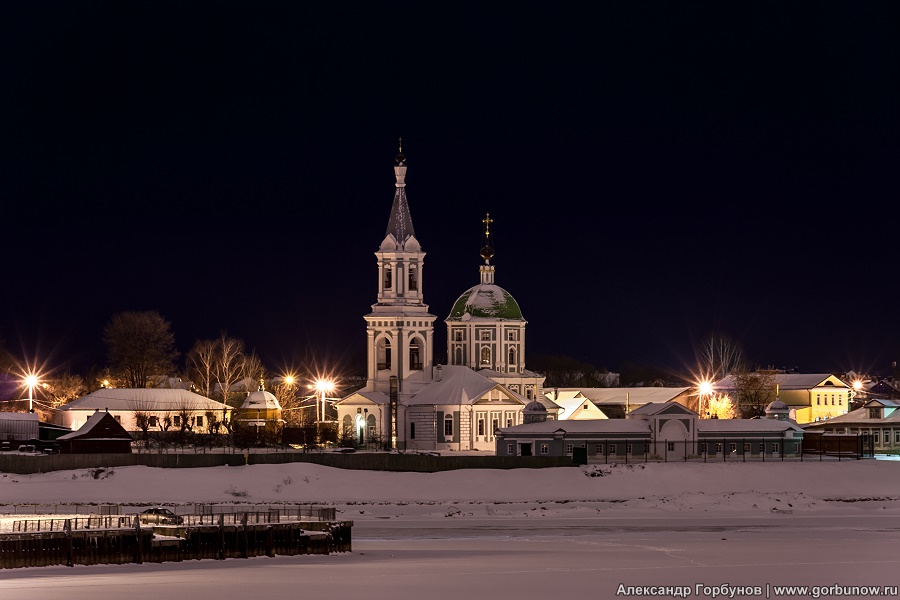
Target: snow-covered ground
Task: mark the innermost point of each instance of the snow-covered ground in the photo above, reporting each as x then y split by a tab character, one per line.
529	533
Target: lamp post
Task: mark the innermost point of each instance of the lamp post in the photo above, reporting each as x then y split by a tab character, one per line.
31	382
323	386
704	389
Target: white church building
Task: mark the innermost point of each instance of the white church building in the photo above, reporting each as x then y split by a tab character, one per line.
408	401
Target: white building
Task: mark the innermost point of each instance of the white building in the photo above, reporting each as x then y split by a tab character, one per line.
408	401
162	405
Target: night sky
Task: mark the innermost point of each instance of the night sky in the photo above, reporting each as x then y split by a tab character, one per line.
656	172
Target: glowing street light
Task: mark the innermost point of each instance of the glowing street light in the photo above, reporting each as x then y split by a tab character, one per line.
704	389
31	381
323	386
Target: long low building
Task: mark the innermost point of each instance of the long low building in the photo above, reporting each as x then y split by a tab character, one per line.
162	407
666	430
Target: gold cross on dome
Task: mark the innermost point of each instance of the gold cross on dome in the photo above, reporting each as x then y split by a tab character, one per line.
487	220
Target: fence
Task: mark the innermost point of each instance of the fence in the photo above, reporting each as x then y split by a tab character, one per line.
140	544
724	449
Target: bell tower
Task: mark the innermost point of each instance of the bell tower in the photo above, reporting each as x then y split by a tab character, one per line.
400	330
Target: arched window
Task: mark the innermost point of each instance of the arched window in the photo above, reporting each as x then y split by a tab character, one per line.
413	280
512	360
486	355
415	357
384	354
458	360
388	278
448	425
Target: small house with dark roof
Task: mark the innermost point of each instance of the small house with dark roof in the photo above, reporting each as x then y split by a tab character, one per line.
101	433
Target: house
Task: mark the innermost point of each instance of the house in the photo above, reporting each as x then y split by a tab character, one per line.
162	407
666	430
878	420
614	403
19	426
574	405
809	397
101	433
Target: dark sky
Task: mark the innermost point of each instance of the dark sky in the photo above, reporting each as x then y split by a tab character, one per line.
657	173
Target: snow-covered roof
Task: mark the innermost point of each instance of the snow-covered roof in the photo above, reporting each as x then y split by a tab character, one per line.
485	301
101	422
18	416
748	425
790	381
144	399
458	385
261	400
633	396
586	426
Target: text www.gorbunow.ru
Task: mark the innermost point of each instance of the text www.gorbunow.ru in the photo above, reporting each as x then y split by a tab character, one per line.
725	590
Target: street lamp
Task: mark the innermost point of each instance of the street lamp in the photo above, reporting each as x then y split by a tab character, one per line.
322	387
31	381
704	389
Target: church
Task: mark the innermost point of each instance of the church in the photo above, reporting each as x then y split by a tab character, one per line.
410	403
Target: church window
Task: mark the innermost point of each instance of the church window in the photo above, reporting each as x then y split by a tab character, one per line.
448	425
388	278
486	355
384	355
415	359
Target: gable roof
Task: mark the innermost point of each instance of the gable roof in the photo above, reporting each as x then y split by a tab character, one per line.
624	395
458	385
659	408
748	425
586	426
791	381
99	426
144	399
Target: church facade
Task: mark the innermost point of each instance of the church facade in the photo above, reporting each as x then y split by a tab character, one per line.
411	403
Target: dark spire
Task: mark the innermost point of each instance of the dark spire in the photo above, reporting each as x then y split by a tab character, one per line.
400	223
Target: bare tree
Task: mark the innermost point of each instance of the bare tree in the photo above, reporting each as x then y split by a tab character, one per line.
140	346
253	367
719	356
202	360
229	365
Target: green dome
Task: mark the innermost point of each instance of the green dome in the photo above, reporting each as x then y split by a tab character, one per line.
486	301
